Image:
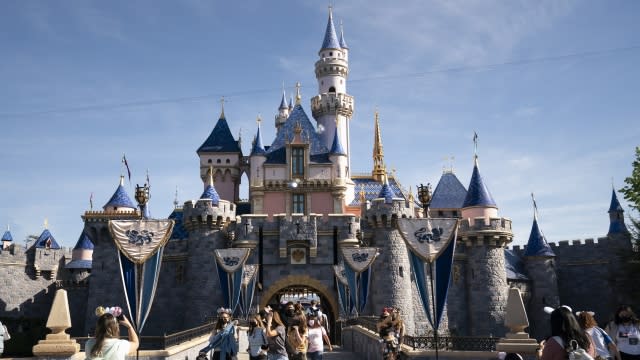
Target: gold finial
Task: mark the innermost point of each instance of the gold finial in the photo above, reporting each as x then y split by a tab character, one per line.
121	180
411	198
363	196
222	108
379	172
298	97
258	120
330	9
298	128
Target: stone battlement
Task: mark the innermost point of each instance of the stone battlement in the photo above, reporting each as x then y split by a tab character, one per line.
202	212
330	103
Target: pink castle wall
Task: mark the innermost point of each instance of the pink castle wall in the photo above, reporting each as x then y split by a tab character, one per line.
321	203
274	203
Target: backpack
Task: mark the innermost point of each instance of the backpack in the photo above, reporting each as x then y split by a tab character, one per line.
578	353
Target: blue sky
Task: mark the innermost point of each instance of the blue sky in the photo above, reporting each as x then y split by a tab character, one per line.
551	88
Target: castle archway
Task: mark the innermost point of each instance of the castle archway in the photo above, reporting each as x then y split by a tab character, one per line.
302	286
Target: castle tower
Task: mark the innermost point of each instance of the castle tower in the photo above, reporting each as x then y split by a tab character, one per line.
81	259
256	173
332	101
379	172
338	157
485	236
540	263
391	272
120	201
223	152
283	112
204	219
7	240
616	218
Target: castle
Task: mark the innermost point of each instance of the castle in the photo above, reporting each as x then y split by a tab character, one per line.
306	206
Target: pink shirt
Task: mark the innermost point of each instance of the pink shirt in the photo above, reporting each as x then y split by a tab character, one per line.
315	339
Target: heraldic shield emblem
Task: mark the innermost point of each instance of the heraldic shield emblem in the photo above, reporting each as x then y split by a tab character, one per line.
428	237
138	240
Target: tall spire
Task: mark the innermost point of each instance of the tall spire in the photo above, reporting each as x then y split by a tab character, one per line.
298	97
222	108
258	148
379	172
537	244
616	215
330	38
210	191
343	43
478	193
283	102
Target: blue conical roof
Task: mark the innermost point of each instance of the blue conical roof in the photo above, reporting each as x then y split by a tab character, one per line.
283	102
84	242
44	239
120	198
537	245
343	43
615	204
210	192
7	236
258	148
449	193
478	193
330	38
220	139
387	193
336	147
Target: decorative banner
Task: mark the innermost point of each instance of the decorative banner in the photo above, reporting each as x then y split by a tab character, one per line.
431	243
358	274
359	259
427	237
249	278
230	265
343	291
138	240
338	270
140	244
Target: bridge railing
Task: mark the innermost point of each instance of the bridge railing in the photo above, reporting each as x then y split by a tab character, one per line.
427	342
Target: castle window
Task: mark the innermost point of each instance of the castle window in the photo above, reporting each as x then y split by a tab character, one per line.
297	162
331	53
332	89
209	161
218	161
228	161
440	213
297	203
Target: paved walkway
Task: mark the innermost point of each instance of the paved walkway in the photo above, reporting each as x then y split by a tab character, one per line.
336	354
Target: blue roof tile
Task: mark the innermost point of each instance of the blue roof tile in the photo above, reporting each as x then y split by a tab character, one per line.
449	193
615	204
330	38
179	231
211	193
478	193
372	189
514	266
343	43
276	157
220	139
258	148
537	245
7	236
84	242
387	193
286	132
336	147
43	240
120	199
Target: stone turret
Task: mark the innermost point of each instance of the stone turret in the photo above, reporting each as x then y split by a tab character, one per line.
391	272
540	262
485	236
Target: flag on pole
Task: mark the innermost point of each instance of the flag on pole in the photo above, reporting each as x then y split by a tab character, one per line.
91	201
126	164
148	182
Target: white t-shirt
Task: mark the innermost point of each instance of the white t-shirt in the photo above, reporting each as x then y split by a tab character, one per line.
315	339
599	342
628	339
112	349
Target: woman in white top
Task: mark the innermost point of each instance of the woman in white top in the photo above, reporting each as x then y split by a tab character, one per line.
625	331
106	344
605	347
317	334
257	338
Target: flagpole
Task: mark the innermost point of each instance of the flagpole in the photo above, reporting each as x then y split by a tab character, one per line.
433	301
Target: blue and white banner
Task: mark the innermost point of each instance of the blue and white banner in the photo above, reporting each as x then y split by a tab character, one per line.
431	246
140	246
230	264
358	274
249	277
346	305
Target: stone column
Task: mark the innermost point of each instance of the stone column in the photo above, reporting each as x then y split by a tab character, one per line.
516	340
58	344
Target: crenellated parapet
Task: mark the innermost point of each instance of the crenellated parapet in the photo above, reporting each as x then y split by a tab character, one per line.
298	229
347	228
332	66
246	232
485	231
382	214
331	104
105	216
203	214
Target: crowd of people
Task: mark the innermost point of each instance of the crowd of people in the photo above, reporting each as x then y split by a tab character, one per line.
579	335
391	331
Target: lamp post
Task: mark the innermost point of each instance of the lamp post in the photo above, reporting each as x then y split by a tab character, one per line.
142	197
424	196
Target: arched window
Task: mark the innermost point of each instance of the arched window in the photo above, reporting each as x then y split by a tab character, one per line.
332	89
218	161
228	161
209	161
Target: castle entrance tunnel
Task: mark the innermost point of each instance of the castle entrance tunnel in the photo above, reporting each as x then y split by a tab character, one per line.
277	296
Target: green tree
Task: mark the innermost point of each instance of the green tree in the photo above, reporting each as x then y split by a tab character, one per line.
631	193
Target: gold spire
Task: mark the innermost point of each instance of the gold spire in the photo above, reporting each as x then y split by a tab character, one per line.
411	198
46	223
298	97
379	172
363	197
